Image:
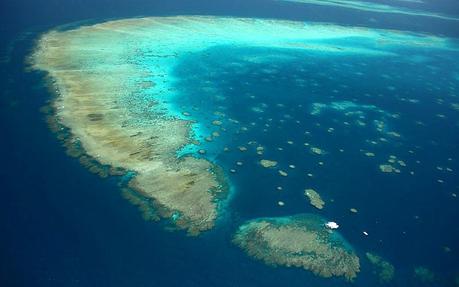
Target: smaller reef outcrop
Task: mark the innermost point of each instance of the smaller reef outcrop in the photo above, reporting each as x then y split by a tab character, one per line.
299	241
383	268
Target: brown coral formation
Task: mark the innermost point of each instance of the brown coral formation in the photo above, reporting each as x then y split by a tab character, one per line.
91	89
268	163
298	241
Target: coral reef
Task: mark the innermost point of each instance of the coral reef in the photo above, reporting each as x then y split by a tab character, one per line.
375	7
299	241
384	269
114	82
314	198
268	163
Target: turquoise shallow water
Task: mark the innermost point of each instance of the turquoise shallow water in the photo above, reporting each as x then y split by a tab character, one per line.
65	226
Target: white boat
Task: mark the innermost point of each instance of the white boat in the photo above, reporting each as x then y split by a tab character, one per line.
331	225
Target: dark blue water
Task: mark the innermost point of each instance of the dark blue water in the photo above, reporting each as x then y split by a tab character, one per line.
62	226
390	204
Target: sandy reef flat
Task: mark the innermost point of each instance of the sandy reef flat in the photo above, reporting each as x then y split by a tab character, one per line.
300	241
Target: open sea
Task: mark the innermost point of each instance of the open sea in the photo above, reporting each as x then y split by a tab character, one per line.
61	225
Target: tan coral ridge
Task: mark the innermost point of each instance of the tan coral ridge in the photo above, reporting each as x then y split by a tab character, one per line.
298	241
90	88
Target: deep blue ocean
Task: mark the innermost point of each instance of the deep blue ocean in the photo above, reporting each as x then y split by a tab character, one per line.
60	225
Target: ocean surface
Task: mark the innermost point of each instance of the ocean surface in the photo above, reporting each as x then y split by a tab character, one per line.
64	226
